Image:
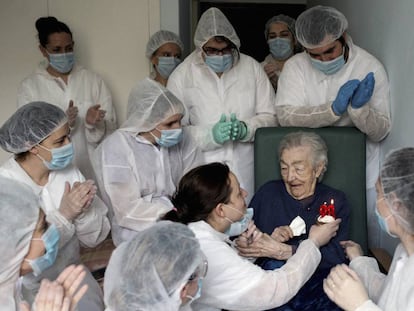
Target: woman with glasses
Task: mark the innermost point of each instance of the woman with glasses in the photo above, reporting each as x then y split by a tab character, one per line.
161	269
210	200
227	95
82	94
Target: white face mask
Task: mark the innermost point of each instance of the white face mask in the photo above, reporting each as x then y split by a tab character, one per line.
238	227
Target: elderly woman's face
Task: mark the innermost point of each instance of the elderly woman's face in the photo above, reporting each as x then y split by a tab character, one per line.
298	173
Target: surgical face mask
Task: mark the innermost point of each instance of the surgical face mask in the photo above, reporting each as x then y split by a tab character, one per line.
219	63
330	67
168	138
166	65
280	48
238	227
198	293
383	222
51	241
62	62
61	157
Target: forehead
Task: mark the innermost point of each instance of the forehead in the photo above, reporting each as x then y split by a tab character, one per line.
169	47
324	48
60	39
174	118
212	42
59	132
278	27
296	154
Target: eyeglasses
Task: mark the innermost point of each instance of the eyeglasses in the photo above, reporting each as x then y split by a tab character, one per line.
213	51
200	272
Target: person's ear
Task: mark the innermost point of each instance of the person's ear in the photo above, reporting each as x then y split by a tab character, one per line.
219	210
319	169
43	51
154	60
34	150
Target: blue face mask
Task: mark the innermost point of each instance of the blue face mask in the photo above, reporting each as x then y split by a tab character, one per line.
219	63
168	138
62	62
237	228
280	48
383	223
330	67
61	157
166	65
51	240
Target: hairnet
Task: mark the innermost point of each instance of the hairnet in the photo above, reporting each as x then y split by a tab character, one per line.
281	18
159	38
397	177
29	125
149	104
19	212
214	23
155	263
319	26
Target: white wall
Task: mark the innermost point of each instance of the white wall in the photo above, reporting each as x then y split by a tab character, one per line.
110	39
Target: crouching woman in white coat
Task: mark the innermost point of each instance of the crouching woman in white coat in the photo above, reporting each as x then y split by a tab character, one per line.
38	136
209	199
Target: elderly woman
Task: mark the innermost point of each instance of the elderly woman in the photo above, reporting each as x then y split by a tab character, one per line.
210	200
38	136
29	242
227	95
140	164
160	269
281	38
361	286
164	50
277	204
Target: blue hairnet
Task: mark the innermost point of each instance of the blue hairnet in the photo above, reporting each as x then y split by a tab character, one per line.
29	125
159	38
155	264
397	177
214	23
281	18
149	104
319	26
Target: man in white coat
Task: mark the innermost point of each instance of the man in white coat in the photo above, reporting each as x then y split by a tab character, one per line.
227	96
336	83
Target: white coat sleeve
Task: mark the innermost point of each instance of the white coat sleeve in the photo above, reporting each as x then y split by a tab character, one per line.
374	118
66	228
192	156
102	95
24	94
367	269
92	226
292	107
265	113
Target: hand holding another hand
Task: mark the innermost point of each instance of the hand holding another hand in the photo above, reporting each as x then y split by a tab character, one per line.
77	199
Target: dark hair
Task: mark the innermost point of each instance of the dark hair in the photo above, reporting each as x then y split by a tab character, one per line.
199	192
48	25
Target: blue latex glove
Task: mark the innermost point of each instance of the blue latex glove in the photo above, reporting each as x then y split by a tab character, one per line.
222	130
238	128
344	95
364	91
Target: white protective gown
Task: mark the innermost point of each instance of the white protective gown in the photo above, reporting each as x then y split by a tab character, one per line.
234	283
89	229
86	89
392	292
244	90
305	96
137	179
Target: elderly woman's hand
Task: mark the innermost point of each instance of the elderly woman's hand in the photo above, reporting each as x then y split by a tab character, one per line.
265	246
251	234
322	234
352	249
344	287
282	234
77	199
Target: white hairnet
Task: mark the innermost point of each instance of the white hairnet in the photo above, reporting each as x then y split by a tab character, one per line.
214	23
149	104
155	263
159	38
29	125
19	212
397	177
319	26
281	18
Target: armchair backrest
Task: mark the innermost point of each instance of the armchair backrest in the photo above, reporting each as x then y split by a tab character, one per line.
346	167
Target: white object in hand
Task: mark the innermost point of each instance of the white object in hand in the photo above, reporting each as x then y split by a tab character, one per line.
298	226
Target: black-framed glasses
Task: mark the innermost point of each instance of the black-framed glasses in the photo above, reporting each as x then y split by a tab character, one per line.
213	51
